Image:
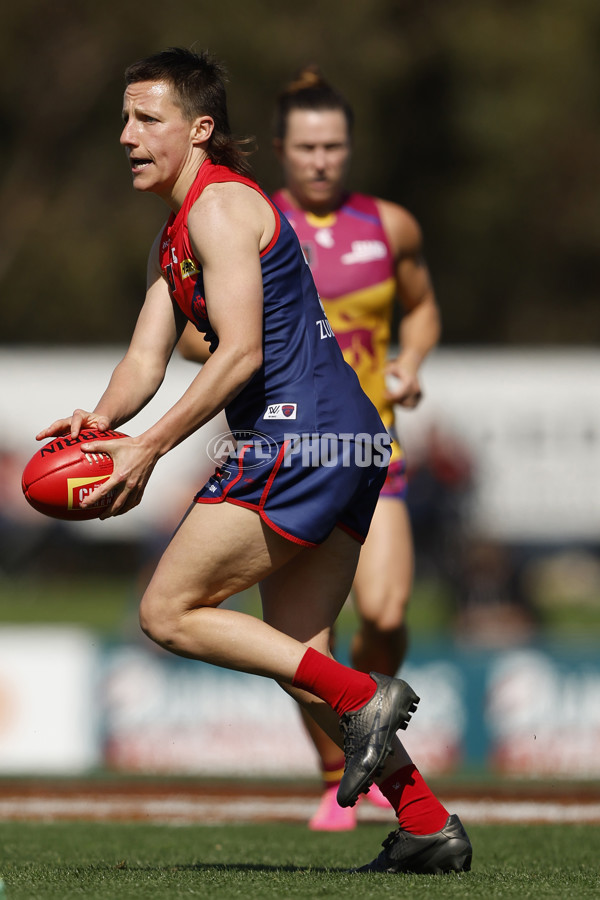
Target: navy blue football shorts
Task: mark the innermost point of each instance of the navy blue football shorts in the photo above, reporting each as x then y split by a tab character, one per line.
303	488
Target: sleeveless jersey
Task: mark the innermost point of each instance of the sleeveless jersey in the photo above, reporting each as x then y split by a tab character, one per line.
304	385
354	271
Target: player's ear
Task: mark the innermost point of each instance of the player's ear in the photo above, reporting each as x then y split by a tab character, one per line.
202	129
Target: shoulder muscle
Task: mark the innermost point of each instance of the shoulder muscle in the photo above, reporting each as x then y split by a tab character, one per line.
402	229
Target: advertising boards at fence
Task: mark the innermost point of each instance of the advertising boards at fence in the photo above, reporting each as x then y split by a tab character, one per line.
529	418
523	712
70	703
48	706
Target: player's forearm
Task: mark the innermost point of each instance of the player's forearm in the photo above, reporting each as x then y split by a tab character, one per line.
221	379
419	333
131	386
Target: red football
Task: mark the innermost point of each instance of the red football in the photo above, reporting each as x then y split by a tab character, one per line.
59	476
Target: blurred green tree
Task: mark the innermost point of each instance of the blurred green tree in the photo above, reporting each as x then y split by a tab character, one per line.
483	119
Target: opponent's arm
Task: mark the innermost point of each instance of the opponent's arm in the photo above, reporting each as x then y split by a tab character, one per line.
420	327
192	345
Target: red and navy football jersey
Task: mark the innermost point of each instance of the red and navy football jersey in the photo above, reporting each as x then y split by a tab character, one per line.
304	385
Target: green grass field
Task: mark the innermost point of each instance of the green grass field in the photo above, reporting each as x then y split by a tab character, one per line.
108	605
266	861
276	862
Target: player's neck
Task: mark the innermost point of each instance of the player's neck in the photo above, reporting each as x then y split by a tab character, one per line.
176	196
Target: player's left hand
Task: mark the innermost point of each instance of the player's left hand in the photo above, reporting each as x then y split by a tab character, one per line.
402	386
73	425
133	463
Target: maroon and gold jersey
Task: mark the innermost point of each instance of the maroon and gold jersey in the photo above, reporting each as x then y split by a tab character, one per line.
354	269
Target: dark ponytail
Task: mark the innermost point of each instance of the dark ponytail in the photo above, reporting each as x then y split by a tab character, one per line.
310	91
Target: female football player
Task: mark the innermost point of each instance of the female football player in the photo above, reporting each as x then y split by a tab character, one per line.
289	508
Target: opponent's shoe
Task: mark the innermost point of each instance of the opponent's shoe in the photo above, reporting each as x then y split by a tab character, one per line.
376	798
368	734
448	850
330	816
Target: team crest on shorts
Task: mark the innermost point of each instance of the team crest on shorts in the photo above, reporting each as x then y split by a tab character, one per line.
281	411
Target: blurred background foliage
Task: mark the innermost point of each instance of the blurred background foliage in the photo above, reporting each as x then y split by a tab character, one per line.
483	119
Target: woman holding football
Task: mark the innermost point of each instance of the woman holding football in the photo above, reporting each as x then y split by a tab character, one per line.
227	261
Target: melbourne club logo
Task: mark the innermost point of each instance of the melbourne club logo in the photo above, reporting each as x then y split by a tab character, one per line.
281	411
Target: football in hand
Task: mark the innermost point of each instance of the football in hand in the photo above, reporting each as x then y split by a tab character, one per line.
59	476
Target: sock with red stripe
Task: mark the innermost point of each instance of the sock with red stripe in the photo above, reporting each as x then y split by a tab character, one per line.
418	809
344	689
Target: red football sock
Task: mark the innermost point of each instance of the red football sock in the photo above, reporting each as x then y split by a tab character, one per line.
418	810
344	689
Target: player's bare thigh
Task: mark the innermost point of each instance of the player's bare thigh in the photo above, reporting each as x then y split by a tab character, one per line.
218	550
384	576
304	597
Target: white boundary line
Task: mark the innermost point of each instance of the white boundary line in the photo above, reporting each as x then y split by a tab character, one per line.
221	810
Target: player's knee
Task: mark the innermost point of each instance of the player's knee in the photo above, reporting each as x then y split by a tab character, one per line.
161	618
164	619
389	614
155	619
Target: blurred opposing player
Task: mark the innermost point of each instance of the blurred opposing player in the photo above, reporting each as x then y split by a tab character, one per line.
365	254
291	522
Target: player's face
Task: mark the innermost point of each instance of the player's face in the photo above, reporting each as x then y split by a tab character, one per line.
315	155
157	138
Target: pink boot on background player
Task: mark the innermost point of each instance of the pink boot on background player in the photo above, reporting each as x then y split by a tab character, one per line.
375	797
330	816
